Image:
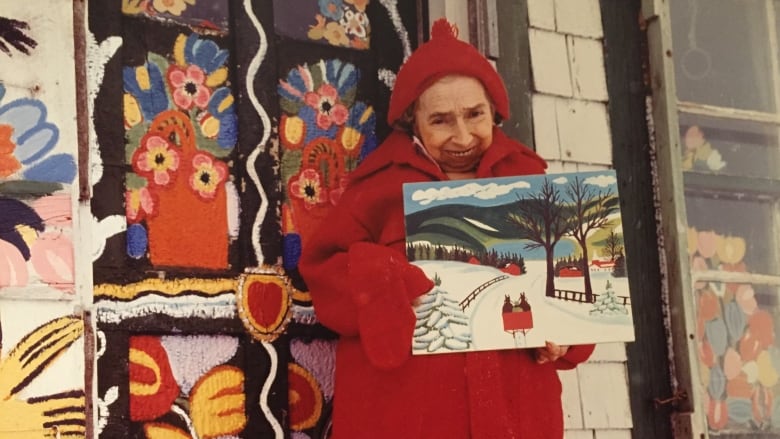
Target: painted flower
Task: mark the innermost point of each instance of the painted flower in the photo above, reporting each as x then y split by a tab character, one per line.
195	51
152	386
174	7
308	186
209	175
335	34
332	9
32	356
329	109
218	403
8	163
156	159
188	87
221	107
145	84
292	130
139	204
34	139
358	128
360	5
52	257
355	23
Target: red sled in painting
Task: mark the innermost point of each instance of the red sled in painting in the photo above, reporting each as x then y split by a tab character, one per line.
517	317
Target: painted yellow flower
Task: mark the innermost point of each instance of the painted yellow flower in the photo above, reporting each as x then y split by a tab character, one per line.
174	7
57	415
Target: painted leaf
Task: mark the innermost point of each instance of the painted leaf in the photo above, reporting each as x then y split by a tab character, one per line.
152	386
717	384
740	410
735	321
217	403
716	333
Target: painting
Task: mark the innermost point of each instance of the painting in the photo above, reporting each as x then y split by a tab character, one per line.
518	261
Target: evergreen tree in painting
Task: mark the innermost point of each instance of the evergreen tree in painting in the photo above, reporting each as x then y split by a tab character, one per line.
441	324
608	304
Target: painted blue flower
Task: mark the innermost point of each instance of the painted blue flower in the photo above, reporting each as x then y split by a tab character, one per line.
35	138
222	108
146	84
203	53
332	9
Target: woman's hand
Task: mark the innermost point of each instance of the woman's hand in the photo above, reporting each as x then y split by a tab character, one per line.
550	352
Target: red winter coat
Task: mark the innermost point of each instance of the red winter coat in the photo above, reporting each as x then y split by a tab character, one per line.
362	287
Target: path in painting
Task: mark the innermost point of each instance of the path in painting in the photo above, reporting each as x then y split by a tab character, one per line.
553	318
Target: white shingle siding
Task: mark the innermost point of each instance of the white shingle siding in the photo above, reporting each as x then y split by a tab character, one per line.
586	61
604	393
545	118
579	17
541	14
550	63
583	130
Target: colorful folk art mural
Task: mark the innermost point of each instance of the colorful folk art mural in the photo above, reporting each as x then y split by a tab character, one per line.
324	132
207	14
736	338
340	23
41	378
37	158
181	130
307	118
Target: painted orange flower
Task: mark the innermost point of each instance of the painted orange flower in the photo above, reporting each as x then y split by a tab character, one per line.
8	163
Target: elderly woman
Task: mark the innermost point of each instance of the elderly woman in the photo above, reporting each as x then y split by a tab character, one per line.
446	100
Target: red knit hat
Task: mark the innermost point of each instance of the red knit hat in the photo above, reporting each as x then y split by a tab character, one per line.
444	54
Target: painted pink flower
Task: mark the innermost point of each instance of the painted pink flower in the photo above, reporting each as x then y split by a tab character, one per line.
208	176
329	109
52	257
13	267
139	204
188	86
308	186
156	159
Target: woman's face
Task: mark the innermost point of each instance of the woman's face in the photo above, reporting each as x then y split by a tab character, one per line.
454	121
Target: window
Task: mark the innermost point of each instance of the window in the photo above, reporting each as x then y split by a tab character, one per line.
727	83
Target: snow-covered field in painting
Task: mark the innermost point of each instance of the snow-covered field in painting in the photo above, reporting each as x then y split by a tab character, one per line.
562	322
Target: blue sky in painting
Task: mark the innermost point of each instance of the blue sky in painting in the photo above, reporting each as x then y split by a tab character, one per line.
493	191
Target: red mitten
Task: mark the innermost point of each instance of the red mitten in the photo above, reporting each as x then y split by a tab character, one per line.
382	284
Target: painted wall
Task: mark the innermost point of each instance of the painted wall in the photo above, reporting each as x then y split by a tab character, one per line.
42	364
218	135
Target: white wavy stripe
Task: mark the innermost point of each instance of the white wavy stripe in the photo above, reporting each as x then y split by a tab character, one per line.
254	67
221	306
395	17
266	390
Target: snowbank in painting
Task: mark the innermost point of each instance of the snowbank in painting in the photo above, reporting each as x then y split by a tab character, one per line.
444	327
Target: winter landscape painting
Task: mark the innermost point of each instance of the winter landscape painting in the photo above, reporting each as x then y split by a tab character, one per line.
518	261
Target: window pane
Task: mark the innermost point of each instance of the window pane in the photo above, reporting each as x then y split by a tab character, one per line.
731	235
722	53
739	358
730	147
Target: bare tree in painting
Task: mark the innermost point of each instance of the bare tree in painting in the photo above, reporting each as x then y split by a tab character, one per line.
543	220
590	210
12	33
613	245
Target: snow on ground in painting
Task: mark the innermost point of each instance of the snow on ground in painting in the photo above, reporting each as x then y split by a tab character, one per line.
559	321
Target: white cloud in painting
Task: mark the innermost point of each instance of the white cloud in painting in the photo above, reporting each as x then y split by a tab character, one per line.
561	180
601	180
469	190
